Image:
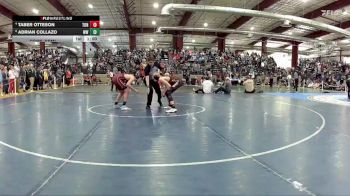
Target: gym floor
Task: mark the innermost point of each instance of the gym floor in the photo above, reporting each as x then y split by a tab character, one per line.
74	141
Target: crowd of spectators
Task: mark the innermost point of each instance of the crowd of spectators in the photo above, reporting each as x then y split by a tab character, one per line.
34	70
219	65
187	62
106	59
331	74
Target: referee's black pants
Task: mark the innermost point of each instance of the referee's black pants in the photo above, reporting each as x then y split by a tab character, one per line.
154	84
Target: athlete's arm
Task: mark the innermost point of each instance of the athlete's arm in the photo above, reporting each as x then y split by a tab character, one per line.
130	79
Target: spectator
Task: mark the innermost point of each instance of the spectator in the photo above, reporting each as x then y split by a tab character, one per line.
22	76
46	77
39	81
31	76
271	81
94	79
226	88
296	80
12	79
5	80
207	86
68	76
87	79
249	85
17	76
59	76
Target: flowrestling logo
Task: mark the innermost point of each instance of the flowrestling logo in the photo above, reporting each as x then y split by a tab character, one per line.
335	12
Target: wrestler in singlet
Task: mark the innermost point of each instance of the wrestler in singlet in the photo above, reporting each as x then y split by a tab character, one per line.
172	83
123	84
175	82
120	81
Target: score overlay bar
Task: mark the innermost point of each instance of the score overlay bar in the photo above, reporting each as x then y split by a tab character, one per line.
56	29
56	38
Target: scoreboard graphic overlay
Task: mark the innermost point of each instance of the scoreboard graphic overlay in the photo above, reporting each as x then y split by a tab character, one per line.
56	29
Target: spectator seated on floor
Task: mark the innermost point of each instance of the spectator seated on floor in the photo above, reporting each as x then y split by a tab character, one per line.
225	87
249	85
207	86
95	79
258	80
87	79
313	85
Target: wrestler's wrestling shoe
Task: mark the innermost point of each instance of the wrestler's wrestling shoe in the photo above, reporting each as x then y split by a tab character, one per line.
172	110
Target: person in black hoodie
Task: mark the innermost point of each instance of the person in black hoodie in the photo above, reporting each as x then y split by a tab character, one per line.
5	79
38	84
151	82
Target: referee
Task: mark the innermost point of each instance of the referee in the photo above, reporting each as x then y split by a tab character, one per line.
152	83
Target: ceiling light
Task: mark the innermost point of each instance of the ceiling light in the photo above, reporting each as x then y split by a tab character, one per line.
36	43
155	5
154	22
109	39
151	46
90	6
290	33
193	41
305	28
151	39
205	24
187	47
35	11
101	22
252	28
286	24
78	47
114	46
